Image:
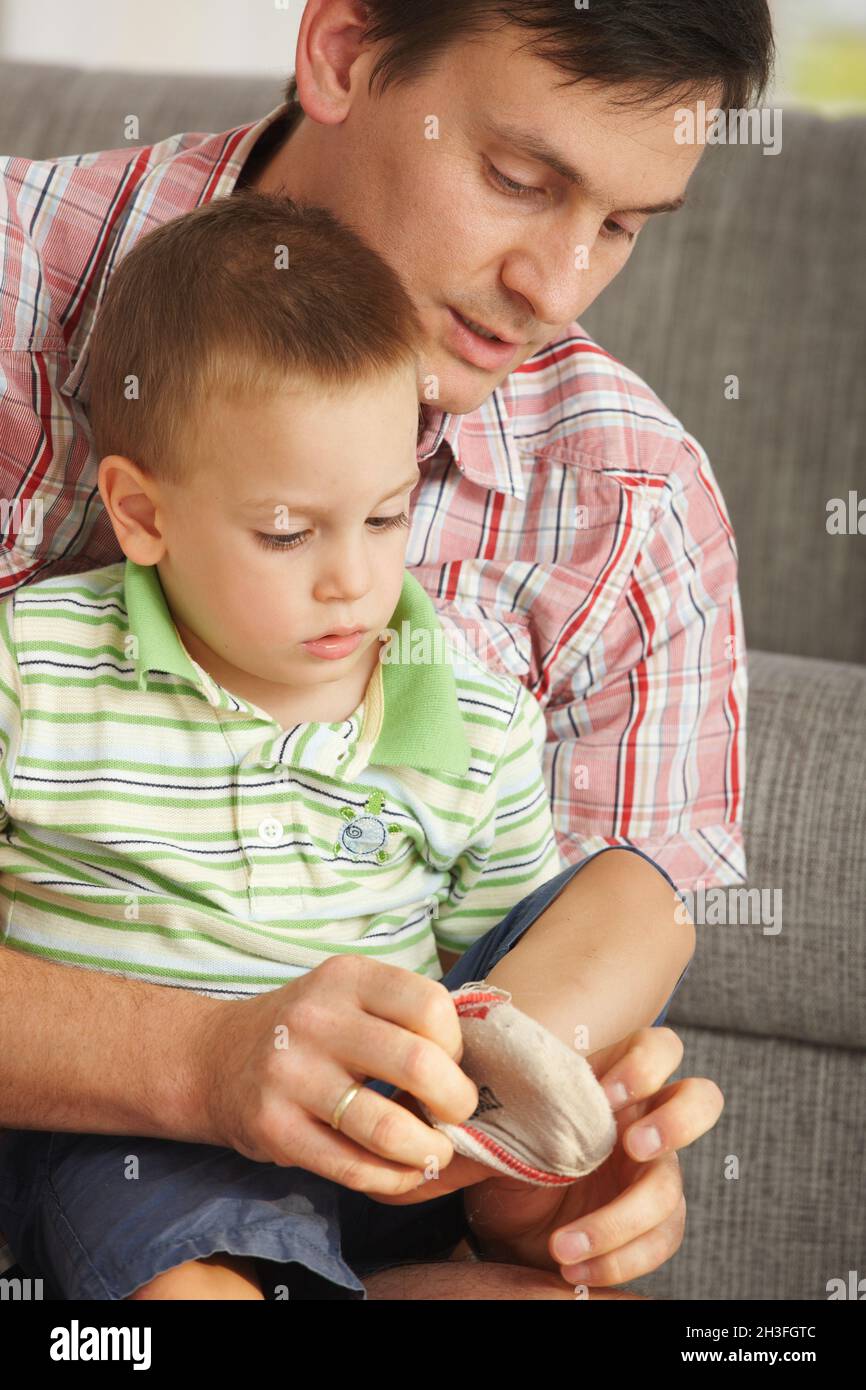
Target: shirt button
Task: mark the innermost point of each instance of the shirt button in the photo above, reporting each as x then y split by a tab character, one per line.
270	830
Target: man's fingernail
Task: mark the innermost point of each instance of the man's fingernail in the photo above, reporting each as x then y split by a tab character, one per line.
572	1246
616	1093
645	1141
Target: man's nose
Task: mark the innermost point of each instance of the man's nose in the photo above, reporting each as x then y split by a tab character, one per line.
560	274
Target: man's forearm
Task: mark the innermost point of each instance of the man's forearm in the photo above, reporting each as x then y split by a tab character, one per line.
94	1053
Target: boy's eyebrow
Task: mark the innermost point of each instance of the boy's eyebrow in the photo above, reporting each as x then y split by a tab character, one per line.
539	148
266	504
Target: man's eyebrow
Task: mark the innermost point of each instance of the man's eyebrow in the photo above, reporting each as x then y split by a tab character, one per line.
539	148
266	504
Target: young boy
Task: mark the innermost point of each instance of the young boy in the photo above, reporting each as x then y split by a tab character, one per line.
246	753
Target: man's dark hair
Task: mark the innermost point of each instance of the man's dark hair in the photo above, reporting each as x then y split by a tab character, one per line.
662	48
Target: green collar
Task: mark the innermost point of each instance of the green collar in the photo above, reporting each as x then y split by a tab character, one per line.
422	725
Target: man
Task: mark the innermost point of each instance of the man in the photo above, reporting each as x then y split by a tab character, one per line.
565	521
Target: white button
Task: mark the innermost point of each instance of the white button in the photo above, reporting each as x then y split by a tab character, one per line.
270	830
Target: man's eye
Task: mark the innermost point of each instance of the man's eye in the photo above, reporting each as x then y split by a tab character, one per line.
509	186
613	230
617	230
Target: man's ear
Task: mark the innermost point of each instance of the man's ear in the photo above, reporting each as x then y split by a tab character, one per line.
133	501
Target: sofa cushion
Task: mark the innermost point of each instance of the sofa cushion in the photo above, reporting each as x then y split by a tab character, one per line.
805	815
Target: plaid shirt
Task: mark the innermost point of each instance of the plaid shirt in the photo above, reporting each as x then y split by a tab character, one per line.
570	528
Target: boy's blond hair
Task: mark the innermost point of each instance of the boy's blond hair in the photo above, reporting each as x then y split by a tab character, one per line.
233	300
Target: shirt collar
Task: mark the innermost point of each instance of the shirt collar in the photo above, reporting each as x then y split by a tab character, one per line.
482	442
421	724
210	167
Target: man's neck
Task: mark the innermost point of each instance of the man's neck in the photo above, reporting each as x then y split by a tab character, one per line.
266	161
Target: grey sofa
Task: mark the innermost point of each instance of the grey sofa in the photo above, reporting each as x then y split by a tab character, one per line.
762	278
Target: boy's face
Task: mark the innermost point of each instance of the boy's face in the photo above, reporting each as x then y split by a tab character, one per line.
336	472
418	170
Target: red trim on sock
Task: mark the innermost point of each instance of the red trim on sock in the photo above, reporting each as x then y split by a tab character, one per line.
515	1164
477	1004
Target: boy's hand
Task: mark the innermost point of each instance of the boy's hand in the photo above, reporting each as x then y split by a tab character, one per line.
274	1068
632	1207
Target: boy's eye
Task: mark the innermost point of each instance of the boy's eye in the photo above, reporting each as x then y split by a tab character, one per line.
288	542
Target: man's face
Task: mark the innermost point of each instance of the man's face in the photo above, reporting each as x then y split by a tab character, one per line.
424	174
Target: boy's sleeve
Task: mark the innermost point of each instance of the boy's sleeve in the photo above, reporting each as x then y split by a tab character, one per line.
513	849
10	706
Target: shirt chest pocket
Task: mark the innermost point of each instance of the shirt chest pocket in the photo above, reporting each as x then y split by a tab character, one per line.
497	636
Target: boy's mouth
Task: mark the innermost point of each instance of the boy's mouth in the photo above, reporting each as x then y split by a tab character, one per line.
338	632
333	645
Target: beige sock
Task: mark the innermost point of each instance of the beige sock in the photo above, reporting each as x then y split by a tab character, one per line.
542	1115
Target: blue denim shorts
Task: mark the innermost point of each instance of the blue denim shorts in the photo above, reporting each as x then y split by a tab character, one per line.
73	1217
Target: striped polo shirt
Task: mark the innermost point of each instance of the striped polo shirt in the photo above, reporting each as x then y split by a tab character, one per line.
157	825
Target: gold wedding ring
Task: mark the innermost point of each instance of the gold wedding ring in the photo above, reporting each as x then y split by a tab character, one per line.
347	1098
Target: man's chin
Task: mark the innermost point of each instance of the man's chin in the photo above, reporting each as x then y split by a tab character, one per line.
463	398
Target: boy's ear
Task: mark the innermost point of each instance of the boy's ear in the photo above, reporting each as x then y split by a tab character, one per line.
132	500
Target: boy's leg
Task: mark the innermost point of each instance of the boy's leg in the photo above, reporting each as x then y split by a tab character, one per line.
218	1276
549	972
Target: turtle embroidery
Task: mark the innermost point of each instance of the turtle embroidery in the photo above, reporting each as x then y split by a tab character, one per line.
365	832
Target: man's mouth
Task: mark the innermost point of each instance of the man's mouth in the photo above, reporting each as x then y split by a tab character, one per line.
484	332
478	344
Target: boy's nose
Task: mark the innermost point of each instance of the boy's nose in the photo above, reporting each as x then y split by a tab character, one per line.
347	579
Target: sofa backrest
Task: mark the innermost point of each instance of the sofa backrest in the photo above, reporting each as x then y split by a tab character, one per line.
762	276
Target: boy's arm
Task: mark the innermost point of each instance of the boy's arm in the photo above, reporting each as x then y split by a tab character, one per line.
512	851
84	1050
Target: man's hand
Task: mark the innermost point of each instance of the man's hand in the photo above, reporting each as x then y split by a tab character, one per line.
632	1207
274	1067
